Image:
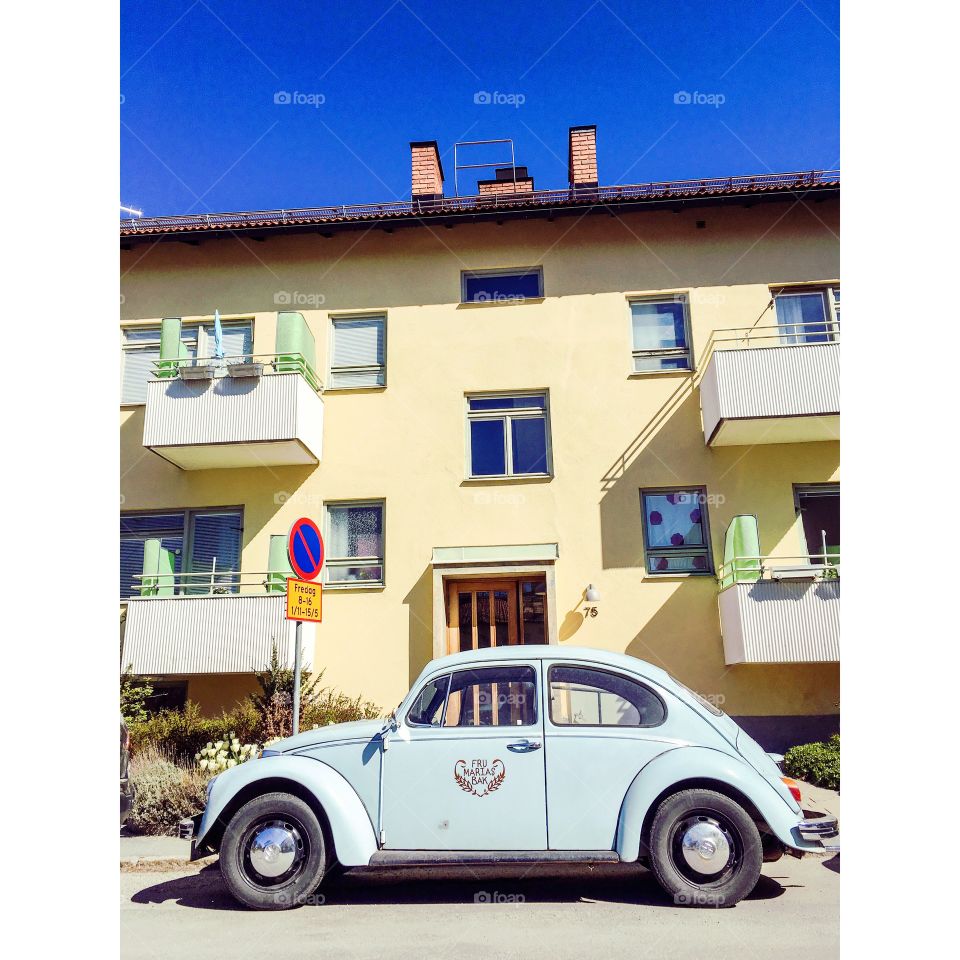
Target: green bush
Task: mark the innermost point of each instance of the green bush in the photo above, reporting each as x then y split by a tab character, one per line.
181	734
165	792
134	693
331	706
817	763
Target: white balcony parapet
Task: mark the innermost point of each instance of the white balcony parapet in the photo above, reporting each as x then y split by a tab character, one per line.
203	630
771	385
780	610
239	412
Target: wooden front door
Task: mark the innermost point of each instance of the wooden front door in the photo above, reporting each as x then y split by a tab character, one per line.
481	613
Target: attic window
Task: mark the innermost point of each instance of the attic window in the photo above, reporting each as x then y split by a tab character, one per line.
501	286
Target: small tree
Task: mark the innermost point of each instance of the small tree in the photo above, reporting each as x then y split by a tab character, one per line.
134	693
275	700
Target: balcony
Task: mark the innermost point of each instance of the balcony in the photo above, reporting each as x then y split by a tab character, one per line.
252	411
773	384
780	609
185	624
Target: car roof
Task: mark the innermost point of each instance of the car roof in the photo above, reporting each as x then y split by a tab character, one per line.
549	651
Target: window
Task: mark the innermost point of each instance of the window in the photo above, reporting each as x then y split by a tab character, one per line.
808	315
427	709
819	510
206	543
580	696
675	531
141	350
508	436
358	353
492	697
661	338
354	544
501	286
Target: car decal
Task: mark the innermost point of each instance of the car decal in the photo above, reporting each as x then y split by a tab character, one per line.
479	777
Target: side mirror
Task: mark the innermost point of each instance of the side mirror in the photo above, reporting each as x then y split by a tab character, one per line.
391	724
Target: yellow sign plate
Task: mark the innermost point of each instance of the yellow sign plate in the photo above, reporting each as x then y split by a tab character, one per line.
304	600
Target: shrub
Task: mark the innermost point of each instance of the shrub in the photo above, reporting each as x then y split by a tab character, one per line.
165	792
180	734
134	693
331	706
817	763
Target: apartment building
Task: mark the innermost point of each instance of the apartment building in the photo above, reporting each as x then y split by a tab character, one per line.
602	416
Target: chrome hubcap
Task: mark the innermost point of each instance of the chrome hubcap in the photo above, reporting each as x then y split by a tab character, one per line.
274	849
705	847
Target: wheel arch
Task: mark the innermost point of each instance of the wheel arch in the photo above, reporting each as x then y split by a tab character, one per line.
345	820
685	768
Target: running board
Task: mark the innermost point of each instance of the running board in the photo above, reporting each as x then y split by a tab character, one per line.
422	858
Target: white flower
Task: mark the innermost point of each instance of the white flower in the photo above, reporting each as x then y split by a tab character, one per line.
204	764
231	763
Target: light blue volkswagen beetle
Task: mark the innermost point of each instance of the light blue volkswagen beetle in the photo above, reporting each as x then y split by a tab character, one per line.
515	754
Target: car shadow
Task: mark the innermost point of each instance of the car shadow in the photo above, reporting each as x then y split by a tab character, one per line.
521	883
833	863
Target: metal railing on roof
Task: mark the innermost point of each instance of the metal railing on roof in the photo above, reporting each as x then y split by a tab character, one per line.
797	180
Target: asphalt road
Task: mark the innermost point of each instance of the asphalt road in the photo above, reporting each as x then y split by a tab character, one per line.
519	911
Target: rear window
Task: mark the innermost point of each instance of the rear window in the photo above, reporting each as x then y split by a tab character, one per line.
580	696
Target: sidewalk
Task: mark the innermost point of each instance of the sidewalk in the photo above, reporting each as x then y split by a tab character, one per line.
139	853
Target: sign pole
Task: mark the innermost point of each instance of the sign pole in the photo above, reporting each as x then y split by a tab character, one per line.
296	677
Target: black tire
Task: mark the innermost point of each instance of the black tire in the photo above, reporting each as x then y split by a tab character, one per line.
273	817
722	867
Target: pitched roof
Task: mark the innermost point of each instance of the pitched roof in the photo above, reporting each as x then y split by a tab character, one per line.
677	193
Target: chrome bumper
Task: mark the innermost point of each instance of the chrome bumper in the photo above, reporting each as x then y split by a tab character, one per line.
819	830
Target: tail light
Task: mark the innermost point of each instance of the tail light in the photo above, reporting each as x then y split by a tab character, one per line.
793	787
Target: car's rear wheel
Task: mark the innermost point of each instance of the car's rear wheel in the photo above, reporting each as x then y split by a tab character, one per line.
705	850
273	854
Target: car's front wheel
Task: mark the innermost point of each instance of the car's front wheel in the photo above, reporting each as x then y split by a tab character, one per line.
705	850
273	855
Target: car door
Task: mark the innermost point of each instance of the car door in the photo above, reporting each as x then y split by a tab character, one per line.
464	770
602	727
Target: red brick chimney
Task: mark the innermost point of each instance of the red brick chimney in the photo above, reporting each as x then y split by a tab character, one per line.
427	174
583	157
504	186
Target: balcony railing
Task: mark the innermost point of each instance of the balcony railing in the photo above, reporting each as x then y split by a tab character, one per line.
240	411
245	366
210	583
780	609
203	623
777	383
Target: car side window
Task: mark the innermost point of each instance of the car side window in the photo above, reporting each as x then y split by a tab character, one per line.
492	697
580	696
427	709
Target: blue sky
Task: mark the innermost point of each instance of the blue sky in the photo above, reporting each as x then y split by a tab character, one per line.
201	129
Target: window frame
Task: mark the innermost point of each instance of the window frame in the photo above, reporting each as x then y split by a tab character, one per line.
600	726
330	561
652	552
830	296
535	725
830	488
501	272
507	415
684	300
436	679
199	338
189	514
332	369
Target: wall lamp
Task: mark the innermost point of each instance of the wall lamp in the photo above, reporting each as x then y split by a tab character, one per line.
592	598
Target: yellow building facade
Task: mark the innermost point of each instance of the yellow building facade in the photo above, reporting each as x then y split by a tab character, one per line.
607	434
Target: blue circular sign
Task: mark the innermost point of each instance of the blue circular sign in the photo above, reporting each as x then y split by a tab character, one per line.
305	549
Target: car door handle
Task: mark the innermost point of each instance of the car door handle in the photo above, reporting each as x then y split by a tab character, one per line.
524	746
